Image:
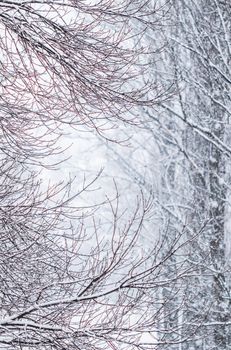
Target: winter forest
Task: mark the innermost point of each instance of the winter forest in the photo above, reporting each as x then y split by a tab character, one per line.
115	176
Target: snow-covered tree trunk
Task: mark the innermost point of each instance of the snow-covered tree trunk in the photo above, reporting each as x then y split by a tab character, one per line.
202	43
